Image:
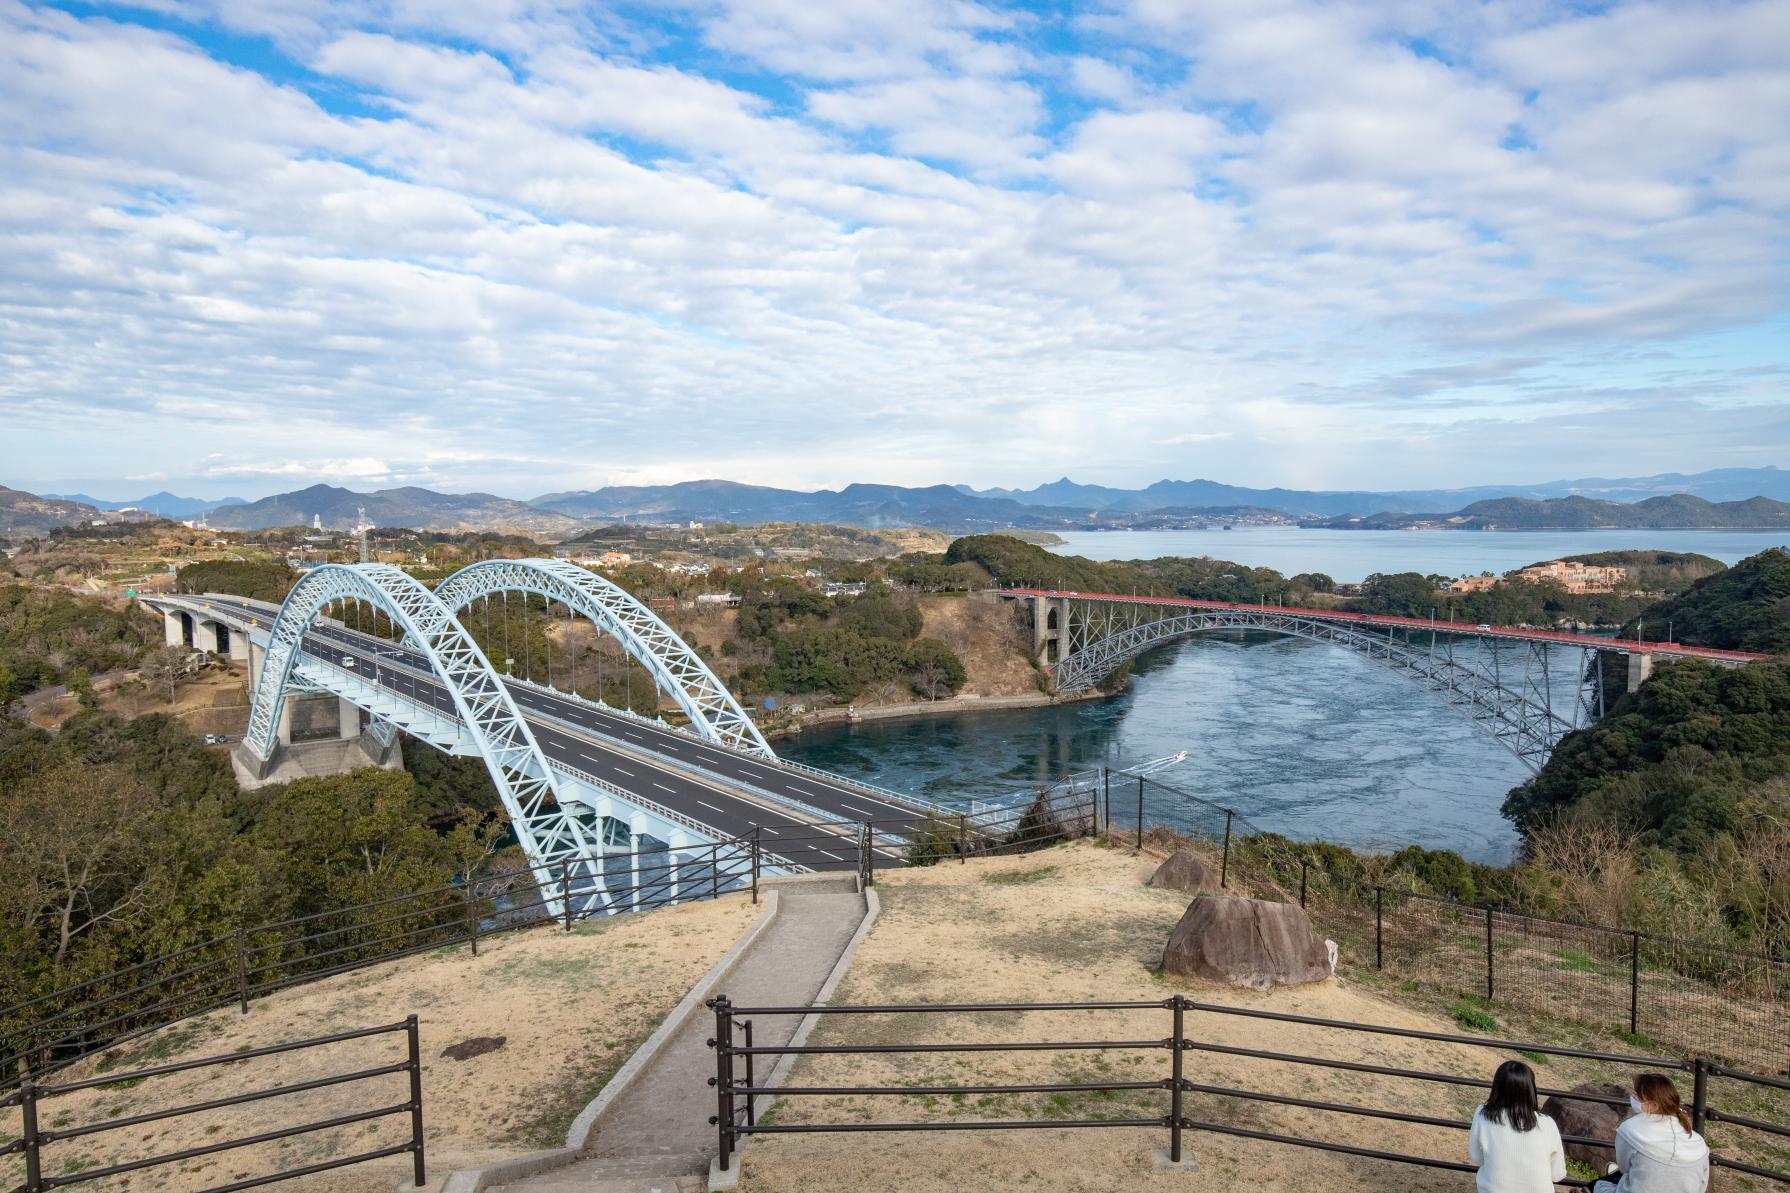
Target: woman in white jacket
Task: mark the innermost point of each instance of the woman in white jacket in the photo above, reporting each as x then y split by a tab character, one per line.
1516	1147
1656	1150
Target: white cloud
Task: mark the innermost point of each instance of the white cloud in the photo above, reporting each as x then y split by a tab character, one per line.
920	242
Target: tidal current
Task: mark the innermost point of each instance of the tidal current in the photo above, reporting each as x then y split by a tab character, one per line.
1299	737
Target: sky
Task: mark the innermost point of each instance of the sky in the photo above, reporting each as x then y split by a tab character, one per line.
524	246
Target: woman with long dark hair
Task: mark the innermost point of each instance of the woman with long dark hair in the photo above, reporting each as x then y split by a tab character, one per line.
1656	1149
1516	1146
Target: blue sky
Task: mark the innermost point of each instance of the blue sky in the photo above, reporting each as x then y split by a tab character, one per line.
528	246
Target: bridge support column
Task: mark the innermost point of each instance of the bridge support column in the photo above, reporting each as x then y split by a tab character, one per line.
1640	666
173	632
636	831
205	636
256	655
347	719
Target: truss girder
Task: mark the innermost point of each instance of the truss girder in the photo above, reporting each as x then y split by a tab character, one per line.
550	831
1512	699
674	666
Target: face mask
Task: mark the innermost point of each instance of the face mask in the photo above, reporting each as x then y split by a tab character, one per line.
1634	1104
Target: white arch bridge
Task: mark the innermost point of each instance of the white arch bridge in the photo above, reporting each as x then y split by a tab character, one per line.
580	782
1527	688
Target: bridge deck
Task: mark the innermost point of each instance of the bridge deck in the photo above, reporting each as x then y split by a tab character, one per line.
619	750
1390	621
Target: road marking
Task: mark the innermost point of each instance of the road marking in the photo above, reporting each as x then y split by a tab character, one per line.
834	856
712	807
620	771
662	787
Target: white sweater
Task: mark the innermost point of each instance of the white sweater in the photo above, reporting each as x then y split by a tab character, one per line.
1657	1155
1513	1161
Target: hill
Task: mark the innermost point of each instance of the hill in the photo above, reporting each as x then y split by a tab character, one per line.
23	513
163	504
1676	512
412	507
1745	607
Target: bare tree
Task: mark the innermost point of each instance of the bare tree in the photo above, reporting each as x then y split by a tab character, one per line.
165	665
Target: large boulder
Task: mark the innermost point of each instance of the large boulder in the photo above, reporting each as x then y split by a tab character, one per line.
1246	942
1594	1120
1185	872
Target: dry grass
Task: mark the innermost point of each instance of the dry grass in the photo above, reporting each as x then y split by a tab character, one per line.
572	1008
990	639
1077	923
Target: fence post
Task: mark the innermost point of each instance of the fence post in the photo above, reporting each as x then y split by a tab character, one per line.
715	871
963	839
1488	954
416	1100
1106	781
1699	1093
755	848
1179	1003
1304	865
1379	927
33	1161
751	1079
869	854
1224	867
1140	814
472	916
565	891
242	973
1634	983
723	1046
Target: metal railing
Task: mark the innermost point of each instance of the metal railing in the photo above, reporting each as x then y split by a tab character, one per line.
734	1124
60	1026
35	1138
1662	991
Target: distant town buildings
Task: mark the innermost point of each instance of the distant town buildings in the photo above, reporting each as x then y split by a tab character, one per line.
1572	575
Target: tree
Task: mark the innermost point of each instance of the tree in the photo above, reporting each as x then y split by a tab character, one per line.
76	853
934	669
81	684
164	667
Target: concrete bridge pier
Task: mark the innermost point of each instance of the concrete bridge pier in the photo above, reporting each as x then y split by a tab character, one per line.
1640	666
349	747
1050	627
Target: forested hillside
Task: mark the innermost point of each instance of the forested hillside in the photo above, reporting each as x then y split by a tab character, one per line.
1746	607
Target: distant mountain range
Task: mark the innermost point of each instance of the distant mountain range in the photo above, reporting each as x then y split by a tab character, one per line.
1720	484
23	513
1583	513
417	509
163	504
1701	499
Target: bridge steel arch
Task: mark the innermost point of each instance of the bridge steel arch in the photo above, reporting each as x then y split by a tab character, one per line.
549	831
1516	709
674	666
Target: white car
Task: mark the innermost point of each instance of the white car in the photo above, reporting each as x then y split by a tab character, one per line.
347	660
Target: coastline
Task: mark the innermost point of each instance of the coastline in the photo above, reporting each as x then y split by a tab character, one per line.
925	708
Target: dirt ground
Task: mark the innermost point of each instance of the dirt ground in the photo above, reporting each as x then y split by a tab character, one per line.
571	1007
214	701
991	639
1077	923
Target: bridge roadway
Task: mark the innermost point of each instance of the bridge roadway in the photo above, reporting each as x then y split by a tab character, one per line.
1388	621
618	749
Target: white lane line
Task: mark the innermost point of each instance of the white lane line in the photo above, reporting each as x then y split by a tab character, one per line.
620	771
834	856
765	828
712	807
662	787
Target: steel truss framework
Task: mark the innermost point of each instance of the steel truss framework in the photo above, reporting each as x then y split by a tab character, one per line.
713	712
550	831
1508	689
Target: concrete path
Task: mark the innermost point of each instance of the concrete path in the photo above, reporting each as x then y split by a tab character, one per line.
656	1135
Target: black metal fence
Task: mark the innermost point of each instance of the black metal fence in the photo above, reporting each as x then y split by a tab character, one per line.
735	1121
36	1139
1661	991
39	1034
52	1029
